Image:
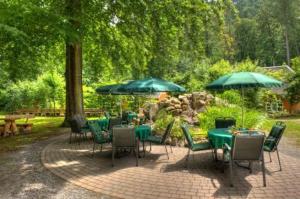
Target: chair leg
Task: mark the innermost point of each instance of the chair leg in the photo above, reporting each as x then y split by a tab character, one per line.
263	168
167	151
70	137
231	172
278	159
187	158
93	149
101	148
79	139
171	148
144	148
113	156
250	166
136	156
270	157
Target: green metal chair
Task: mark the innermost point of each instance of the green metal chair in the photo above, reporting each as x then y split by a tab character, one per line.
99	136
272	141
193	146
78	127
161	140
224	122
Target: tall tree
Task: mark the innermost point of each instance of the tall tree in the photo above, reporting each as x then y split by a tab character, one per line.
73	75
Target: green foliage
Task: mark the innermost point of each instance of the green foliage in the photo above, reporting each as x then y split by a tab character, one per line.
47	90
231	97
293	89
253	118
162	121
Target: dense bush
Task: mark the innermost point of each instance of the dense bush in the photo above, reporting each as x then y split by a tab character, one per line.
162	121
253	118
45	92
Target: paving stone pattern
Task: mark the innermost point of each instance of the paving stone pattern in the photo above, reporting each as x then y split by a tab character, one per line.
158	177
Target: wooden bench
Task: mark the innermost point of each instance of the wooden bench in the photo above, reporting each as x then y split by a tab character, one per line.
26	127
2	127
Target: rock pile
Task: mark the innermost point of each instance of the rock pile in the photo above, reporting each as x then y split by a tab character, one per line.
187	106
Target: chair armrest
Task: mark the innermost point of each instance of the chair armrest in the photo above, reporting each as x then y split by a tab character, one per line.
270	139
227	147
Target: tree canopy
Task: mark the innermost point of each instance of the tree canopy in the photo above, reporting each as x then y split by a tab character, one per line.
182	41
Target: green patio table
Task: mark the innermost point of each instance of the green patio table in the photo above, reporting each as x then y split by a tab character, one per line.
142	132
131	116
218	137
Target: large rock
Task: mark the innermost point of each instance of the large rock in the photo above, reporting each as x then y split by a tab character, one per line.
187	105
175	100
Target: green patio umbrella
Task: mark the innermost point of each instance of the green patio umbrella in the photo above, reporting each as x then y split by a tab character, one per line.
150	86
110	90
243	80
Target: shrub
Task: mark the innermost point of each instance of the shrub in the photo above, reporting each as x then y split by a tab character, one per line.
163	119
253	118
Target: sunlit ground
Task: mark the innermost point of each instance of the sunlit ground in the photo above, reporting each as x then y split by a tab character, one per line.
45	127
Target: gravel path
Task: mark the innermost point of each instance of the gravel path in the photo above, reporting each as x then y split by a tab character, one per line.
23	176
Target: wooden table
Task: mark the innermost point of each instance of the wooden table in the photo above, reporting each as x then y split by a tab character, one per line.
10	126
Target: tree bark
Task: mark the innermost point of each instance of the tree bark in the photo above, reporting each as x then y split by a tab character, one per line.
73	74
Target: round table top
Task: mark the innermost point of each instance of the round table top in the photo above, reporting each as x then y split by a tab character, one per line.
218	137
220	132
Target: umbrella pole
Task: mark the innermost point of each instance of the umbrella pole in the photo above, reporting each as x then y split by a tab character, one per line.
243	98
120	107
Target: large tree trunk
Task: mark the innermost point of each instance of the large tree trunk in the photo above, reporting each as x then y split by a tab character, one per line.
73	75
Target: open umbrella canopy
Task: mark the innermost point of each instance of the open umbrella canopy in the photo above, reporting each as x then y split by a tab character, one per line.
244	80
108	89
150	85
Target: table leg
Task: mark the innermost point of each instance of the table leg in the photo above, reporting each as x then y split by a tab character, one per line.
216	154
14	128
7	128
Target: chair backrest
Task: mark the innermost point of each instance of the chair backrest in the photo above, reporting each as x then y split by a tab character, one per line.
98	135
124	136
187	135
125	117
224	122
113	122
276	133
75	126
247	146
107	115
80	120
167	131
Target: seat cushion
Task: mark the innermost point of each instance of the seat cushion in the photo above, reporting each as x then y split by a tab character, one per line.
200	146
267	148
154	139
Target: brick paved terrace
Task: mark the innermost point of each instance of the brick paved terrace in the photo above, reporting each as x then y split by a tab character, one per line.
158	177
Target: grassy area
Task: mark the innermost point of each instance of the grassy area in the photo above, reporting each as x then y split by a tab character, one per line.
43	128
292	129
